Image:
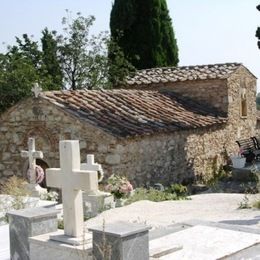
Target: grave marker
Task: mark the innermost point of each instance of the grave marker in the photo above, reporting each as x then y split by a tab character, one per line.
36	90
32	155
95	202
34	188
72	180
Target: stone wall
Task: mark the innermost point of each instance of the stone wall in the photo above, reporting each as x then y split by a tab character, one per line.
239	126
170	158
42	120
211	92
164	158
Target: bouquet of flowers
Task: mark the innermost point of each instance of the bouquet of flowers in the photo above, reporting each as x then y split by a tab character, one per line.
119	186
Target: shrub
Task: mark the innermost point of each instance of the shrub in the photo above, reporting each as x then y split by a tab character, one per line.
178	189
52	196
15	187
152	195
257	204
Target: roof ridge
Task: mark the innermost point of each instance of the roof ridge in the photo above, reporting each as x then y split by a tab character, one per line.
197	65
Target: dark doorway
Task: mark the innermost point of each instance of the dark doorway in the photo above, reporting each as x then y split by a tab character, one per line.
44	166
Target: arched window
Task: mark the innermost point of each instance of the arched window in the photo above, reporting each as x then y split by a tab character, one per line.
243	103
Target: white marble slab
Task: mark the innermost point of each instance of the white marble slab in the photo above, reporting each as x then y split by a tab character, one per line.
4	242
202	242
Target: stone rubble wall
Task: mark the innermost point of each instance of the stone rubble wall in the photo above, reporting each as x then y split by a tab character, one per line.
211	92
42	120
165	158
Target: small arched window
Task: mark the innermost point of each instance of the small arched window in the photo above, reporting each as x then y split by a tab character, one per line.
243	103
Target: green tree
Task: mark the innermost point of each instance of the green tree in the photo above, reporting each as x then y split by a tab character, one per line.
144	31
258	101
17	74
20	67
74	60
50	59
84	57
258	30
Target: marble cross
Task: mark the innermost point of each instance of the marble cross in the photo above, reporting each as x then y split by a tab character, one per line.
72	180
36	90
92	166
32	155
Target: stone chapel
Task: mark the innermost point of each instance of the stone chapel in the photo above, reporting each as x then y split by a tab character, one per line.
164	125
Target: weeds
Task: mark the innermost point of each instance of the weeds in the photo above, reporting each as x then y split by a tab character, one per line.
174	192
17	199
244	204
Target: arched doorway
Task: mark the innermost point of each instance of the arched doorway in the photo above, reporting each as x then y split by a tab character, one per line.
44	166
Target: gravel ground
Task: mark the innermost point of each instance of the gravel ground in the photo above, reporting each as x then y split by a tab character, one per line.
218	207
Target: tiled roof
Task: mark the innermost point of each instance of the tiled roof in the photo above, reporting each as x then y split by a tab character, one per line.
135	112
176	74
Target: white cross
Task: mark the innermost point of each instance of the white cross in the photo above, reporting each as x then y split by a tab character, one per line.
32	155
72	181
36	90
92	166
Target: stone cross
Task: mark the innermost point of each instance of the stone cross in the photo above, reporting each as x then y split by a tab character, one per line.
92	166
32	155
72	181
36	90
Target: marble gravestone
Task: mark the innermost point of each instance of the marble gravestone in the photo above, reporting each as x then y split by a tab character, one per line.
34	188
72	180
36	90
94	203
74	243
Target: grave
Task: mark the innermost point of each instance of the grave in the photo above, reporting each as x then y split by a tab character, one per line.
72	180
34	188
204	240
8	202
125	241
95	202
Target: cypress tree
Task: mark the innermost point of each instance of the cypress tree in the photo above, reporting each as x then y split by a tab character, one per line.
50	60
258	30
143	29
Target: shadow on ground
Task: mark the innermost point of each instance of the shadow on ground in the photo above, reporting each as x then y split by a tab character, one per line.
244	222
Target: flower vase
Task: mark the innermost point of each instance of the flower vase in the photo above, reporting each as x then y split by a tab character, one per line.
238	162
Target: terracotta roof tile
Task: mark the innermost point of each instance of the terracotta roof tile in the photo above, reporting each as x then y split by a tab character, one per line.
135	112
174	74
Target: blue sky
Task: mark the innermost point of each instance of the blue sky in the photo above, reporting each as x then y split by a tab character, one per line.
208	31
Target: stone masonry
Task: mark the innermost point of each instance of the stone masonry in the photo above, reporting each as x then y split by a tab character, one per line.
164	156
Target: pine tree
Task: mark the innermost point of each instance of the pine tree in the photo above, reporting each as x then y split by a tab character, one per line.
143	29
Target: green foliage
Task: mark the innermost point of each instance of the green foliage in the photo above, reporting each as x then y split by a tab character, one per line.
178	189
156	195
50	59
60	224
151	194
244	204
20	68
51	196
17	74
73	60
144	31
84	57
215	172
257	34
257	204
258	102
15	187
